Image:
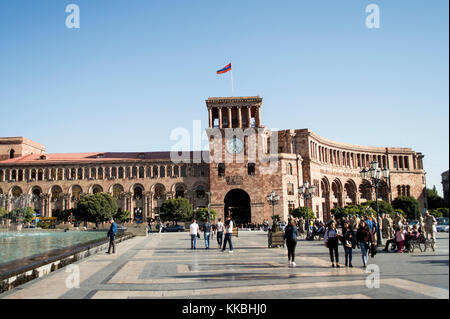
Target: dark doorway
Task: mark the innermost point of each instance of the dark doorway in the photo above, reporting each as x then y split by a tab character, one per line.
237	205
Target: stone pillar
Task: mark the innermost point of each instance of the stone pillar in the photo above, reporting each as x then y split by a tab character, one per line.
240	117
249	116
210	118
220	117
258	114
229	117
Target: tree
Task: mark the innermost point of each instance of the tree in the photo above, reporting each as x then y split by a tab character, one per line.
439	212
3	212
434	200
202	214
408	205
122	215
339	212
28	214
178	209
64	215
303	212
384	207
96	208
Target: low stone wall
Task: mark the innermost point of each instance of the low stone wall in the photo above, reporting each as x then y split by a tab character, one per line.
18	272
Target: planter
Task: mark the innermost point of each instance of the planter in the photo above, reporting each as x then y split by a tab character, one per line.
275	239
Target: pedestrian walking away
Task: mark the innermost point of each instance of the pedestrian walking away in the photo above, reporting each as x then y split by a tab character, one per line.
193	232
228	234
112	236
331	240
290	235
220	228
206	233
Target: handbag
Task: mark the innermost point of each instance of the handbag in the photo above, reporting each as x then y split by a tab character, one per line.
198	235
348	244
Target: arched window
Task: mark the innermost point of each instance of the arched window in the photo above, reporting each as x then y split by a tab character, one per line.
176	170
137	192
162	171
120	172
289	169
179	191
134	172
155	171
100	173
11	154
169	171
141	172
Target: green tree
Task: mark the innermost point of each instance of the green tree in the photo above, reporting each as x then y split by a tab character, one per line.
302	212
202	214
436	213
434	200
64	215
96	208
408	205
178	209
28	214
384	207
122	216
339	212
3	212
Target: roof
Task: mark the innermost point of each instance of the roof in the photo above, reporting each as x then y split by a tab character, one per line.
92	157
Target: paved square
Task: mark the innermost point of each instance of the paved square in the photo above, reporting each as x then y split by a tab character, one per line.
163	266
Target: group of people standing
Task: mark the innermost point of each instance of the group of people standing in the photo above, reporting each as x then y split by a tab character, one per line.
223	232
363	238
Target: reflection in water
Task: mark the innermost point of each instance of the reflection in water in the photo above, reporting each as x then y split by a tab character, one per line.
19	245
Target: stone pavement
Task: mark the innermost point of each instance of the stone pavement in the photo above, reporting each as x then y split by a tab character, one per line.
163	266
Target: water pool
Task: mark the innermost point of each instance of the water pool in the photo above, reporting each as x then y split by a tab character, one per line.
17	245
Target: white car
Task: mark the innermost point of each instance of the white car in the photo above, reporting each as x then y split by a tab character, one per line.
446	229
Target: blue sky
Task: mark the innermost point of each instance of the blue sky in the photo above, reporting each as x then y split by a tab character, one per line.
137	69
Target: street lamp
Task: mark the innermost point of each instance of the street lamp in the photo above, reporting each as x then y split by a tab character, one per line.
376	175
209	205
307	192
273	199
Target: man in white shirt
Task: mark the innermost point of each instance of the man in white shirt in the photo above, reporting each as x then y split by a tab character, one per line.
220	228
193	231
228	234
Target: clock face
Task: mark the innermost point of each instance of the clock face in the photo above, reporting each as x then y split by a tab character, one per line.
235	146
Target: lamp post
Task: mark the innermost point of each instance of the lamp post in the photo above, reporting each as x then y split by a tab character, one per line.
376	175
307	192
209	205
273	199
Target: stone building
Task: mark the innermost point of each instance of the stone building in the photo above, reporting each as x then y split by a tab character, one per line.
246	161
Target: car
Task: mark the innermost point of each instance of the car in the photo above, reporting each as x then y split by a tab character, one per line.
446	229
442	223
173	228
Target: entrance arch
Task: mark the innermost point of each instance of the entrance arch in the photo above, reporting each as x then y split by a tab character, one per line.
237	205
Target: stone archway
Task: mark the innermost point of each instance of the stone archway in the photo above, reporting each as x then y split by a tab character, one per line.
237	205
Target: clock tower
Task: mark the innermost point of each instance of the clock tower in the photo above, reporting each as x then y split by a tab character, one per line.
237	140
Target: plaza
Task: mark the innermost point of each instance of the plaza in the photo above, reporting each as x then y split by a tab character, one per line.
162	265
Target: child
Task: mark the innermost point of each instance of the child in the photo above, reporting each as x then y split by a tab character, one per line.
400	235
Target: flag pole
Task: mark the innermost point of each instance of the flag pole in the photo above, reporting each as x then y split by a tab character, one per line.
232	85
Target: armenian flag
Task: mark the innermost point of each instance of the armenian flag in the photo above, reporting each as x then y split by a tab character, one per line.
225	69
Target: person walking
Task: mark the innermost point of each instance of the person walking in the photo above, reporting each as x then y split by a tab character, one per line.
228	234
219	228
112	236
331	240
193	231
430	228
348	236
290	236
206	233
364	237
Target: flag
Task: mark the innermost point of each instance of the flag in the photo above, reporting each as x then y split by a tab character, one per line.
225	69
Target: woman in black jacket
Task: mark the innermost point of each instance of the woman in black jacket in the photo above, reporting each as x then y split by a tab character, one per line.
331	240
290	235
349	242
